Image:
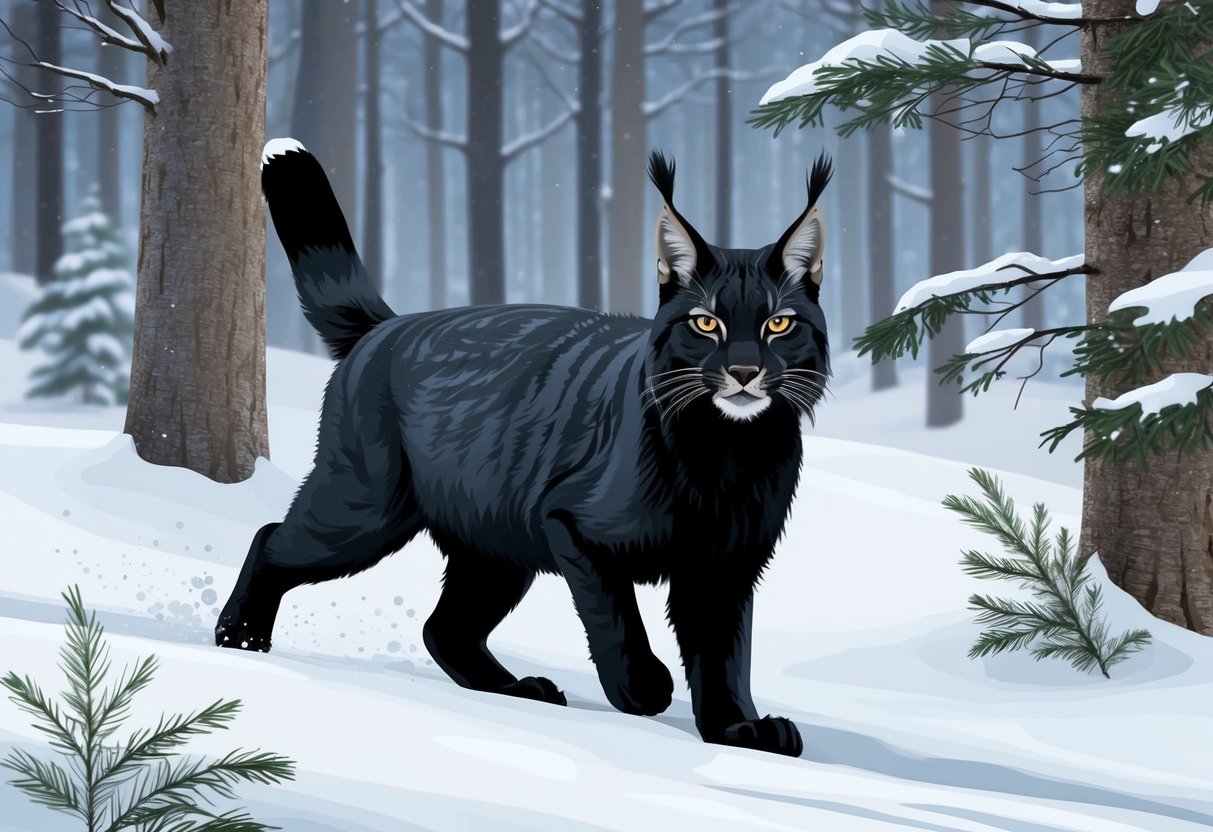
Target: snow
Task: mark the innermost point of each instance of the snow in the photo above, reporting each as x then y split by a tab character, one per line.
1176	389
102	83
1173	296
860	636
280	147
891	44
143	30
1170	126
1145	8
1010	266
1041	8
997	339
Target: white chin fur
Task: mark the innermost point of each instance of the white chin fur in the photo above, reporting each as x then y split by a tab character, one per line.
741	412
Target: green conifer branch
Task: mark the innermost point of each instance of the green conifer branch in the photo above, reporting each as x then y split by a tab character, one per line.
1064	620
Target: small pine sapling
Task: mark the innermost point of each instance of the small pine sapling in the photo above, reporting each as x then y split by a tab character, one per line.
141	783
1064	621
83	319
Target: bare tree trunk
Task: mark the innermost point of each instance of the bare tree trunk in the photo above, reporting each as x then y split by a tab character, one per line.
851	239
372	212
48	129
559	281
485	163
325	110
944	404
881	243
434	170
1152	527
198	370
724	128
25	160
589	159
1033	229
629	284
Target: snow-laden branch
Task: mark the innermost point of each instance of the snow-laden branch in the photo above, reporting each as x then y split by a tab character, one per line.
526	142
148	98
668	43
652	109
1173	296
1012	269
431	28
915	192
1171	125
458	141
155	47
511	36
1061	14
106	33
998	339
890	45
1175	389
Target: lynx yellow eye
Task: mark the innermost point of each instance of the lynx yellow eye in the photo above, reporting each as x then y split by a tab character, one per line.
704	323
778	324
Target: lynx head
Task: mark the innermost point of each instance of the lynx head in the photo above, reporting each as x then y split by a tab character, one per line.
739	328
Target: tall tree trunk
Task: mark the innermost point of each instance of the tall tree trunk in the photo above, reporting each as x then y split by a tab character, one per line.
944	404
724	128
485	163
325	109
629	285
1033	228
372	212
589	159
851	240
978	184
1152	527
198	369
25	160
559	283
881	243
435	172
49	137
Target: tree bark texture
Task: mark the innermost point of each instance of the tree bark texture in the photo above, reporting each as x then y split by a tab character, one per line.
632	261
372	211
198	369
24	221
48	129
1152	527
944	404
485	162
435	172
881	243
589	159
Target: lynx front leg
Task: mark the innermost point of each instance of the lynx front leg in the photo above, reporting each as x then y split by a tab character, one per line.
633	679
712	624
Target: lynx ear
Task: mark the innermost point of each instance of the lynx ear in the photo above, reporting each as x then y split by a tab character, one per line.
675	248
801	254
680	249
798	252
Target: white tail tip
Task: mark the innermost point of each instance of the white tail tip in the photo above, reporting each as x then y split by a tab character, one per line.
278	147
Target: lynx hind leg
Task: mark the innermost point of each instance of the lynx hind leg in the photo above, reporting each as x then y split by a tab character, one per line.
477	594
339	524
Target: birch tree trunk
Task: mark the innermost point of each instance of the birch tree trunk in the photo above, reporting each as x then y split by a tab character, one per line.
198	370
1152	527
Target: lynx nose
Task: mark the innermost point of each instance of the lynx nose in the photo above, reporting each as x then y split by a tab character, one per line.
744	373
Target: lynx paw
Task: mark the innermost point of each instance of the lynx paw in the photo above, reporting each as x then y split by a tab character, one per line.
771	733
645	688
240	636
537	688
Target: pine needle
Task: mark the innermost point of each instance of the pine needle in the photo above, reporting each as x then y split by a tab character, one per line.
1064	621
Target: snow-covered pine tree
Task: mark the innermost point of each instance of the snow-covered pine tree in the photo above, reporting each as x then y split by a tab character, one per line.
1141	146
83	318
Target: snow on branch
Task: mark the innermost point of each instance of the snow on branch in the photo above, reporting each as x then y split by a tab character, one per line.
670	42
511	36
1175	389
1172	297
155	47
148	98
455	140
1171	125
1009	270
431	28
915	192
107	34
526	142
1066	14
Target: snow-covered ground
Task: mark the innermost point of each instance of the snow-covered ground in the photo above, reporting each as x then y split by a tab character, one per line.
861	635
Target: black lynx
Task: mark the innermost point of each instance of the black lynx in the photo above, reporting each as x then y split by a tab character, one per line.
608	449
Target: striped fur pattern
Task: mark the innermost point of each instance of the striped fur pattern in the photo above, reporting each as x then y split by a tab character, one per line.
610	450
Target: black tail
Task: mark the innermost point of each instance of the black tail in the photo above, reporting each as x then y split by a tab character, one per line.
337	296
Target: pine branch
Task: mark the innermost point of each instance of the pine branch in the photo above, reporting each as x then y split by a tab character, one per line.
1064	622
46	783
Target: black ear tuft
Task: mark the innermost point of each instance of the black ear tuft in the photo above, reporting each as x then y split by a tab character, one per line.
661	171
818	178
